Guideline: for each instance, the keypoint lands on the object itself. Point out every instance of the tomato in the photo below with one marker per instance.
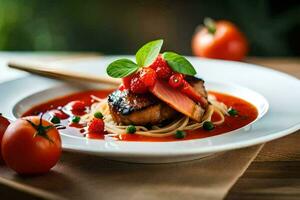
(96, 126)
(31, 145)
(142, 80)
(4, 123)
(161, 68)
(176, 80)
(126, 81)
(220, 40)
(76, 106)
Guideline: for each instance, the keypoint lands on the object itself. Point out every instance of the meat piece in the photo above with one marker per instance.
(177, 100)
(138, 109)
(198, 85)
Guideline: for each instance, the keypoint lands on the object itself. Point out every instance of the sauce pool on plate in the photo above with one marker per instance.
(246, 114)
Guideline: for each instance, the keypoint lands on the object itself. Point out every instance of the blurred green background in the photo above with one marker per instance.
(119, 27)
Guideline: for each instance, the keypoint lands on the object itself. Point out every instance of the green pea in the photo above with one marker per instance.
(208, 126)
(131, 129)
(180, 134)
(55, 120)
(98, 115)
(75, 119)
(232, 112)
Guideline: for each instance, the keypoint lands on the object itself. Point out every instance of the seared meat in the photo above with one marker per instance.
(198, 85)
(138, 109)
(146, 109)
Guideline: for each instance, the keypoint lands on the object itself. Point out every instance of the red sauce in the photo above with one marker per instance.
(62, 101)
(247, 114)
(76, 125)
(95, 136)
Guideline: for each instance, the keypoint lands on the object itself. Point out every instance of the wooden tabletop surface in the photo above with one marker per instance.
(275, 173)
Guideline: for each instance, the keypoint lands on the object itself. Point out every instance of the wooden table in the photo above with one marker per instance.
(274, 173)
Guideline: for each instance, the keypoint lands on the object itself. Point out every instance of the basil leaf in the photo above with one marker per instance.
(147, 54)
(179, 63)
(121, 68)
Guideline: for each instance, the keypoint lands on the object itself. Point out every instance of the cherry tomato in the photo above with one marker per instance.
(77, 106)
(220, 40)
(4, 123)
(161, 68)
(142, 80)
(148, 76)
(126, 81)
(31, 145)
(176, 80)
(96, 126)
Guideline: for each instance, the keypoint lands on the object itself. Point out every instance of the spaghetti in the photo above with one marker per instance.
(184, 123)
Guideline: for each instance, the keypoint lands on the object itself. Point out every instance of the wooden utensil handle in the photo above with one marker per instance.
(51, 72)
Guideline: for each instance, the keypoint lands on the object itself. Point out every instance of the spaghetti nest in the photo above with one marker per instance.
(184, 123)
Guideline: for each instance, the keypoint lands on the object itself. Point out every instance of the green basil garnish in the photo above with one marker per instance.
(147, 54)
(121, 68)
(179, 63)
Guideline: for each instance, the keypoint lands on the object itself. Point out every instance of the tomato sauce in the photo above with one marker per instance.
(246, 114)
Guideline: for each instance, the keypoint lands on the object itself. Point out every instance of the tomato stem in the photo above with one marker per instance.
(210, 24)
(40, 129)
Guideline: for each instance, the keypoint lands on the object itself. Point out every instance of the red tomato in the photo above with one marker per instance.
(96, 126)
(161, 68)
(148, 76)
(4, 123)
(142, 80)
(76, 106)
(126, 81)
(220, 40)
(176, 80)
(31, 145)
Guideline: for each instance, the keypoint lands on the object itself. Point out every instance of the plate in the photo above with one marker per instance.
(255, 84)
(66, 89)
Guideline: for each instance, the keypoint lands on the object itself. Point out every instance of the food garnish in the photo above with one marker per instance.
(176, 80)
(75, 119)
(161, 68)
(55, 120)
(96, 126)
(77, 106)
(142, 80)
(131, 129)
(146, 56)
(208, 125)
(151, 66)
(179, 63)
(232, 112)
(180, 134)
(98, 115)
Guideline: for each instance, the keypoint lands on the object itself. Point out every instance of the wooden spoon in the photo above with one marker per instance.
(51, 72)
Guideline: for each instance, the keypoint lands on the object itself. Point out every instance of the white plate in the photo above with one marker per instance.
(282, 92)
(65, 89)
